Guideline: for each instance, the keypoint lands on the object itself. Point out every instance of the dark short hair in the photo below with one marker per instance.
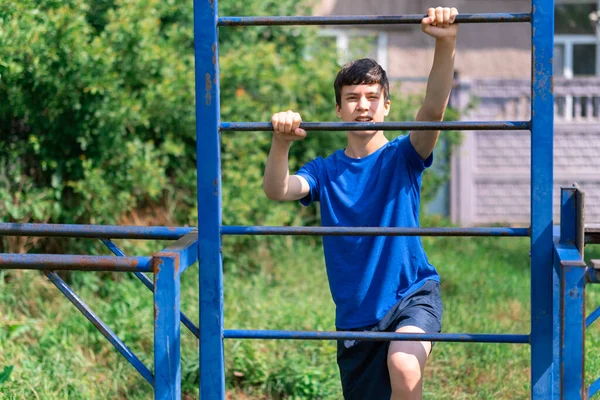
(362, 71)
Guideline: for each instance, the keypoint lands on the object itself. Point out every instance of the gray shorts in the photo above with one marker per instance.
(363, 364)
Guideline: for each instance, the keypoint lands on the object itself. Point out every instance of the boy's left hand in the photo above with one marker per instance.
(439, 22)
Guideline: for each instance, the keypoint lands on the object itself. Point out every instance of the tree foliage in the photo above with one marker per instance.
(97, 110)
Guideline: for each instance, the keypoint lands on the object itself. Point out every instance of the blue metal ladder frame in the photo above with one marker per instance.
(558, 273)
(543, 338)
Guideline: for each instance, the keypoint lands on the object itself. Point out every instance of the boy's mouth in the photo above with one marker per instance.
(364, 119)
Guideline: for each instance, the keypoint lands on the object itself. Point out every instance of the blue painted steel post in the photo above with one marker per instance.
(544, 344)
(212, 368)
(572, 368)
(572, 299)
(167, 333)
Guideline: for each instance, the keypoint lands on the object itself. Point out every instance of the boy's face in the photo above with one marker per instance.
(363, 103)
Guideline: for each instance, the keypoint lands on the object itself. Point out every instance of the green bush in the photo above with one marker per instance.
(98, 119)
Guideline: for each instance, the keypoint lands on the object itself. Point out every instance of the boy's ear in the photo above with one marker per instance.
(338, 110)
(387, 107)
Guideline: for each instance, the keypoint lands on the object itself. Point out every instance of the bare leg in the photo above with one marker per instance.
(406, 362)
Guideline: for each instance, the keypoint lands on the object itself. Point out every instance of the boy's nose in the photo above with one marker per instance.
(363, 103)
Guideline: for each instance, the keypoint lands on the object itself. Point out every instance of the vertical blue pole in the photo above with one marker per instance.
(572, 299)
(544, 278)
(572, 367)
(212, 373)
(167, 358)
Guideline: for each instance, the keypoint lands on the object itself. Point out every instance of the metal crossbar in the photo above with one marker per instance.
(372, 231)
(385, 126)
(94, 231)
(367, 20)
(376, 336)
(64, 262)
(592, 231)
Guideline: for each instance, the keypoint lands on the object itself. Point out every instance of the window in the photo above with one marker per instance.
(576, 42)
(352, 44)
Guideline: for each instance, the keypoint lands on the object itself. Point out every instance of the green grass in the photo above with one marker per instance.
(56, 354)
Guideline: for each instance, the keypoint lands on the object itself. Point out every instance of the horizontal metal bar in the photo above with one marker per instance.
(69, 262)
(94, 231)
(101, 326)
(386, 126)
(592, 317)
(376, 336)
(185, 251)
(150, 285)
(172, 233)
(367, 19)
(594, 388)
(371, 231)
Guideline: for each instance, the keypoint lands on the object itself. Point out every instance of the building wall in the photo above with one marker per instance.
(483, 50)
(491, 170)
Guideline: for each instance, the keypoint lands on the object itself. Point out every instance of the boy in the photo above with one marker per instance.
(377, 283)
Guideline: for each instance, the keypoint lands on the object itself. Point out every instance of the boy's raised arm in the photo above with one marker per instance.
(277, 182)
(439, 24)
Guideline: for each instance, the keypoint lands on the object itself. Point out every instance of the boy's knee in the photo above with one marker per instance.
(405, 369)
(406, 362)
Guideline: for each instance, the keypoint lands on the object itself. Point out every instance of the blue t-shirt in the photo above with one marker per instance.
(369, 274)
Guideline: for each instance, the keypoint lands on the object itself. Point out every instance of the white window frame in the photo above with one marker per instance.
(568, 41)
(343, 42)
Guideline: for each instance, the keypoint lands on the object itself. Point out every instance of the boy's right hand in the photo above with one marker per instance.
(286, 126)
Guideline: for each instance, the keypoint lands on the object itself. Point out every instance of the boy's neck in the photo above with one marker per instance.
(361, 145)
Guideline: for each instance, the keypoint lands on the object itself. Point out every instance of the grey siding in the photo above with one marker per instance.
(490, 174)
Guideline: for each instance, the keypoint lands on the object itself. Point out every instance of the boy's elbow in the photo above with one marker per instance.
(272, 195)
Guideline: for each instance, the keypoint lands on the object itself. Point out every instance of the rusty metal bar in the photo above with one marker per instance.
(367, 19)
(68, 262)
(184, 251)
(385, 126)
(94, 231)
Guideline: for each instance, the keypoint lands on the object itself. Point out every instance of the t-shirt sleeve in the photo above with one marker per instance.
(413, 159)
(311, 173)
